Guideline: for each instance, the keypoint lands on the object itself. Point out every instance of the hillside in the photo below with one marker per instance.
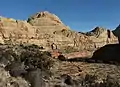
(45, 28)
(26, 58)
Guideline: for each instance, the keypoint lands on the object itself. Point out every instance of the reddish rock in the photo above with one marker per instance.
(55, 53)
(78, 54)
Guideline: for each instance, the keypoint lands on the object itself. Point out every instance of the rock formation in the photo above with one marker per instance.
(38, 66)
(117, 32)
(107, 53)
(45, 28)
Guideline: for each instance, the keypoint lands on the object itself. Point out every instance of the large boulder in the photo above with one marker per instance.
(107, 53)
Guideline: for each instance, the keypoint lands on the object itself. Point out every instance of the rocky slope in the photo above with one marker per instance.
(45, 28)
(25, 66)
(28, 66)
(6, 80)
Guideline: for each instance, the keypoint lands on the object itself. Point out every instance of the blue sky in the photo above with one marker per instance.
(80, 15)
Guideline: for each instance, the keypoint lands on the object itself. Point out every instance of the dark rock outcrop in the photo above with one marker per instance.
(108, 53)
(116, 32)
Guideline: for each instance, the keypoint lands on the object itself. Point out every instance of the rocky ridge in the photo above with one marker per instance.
(27, 65)
(45, 28)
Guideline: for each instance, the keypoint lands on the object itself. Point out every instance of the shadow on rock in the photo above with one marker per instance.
(108, 54)
(78, 59)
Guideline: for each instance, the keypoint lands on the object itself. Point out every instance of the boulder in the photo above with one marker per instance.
(107, 53)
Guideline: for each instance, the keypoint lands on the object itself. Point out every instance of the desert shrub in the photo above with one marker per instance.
(37, 59)
(61, 57)
(110, 82)
(31, 47)
(29, 62)
(70, 49)
(31, 55)
(90, 78)
(92, 81)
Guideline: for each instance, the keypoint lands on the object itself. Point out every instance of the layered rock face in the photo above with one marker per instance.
(96, 38)
(102, 36)
(45, 28)
(15, 31)
(38, 30)
(44, 19)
